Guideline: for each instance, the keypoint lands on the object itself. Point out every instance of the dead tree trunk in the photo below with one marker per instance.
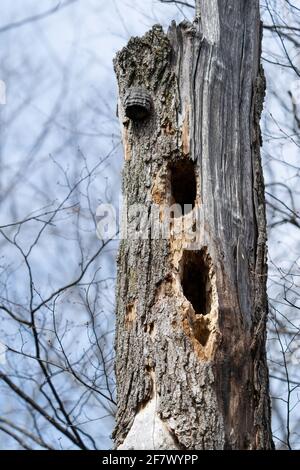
(191, 307)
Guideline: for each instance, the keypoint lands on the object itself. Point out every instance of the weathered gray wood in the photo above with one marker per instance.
(193, 379)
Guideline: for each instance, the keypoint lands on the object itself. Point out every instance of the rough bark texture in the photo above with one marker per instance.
(191, 313)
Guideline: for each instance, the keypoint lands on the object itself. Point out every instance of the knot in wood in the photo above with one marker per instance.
(137, 103)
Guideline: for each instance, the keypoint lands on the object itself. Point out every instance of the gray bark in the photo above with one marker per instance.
(191, 313)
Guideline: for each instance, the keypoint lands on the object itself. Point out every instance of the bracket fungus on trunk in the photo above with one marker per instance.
(137, 103)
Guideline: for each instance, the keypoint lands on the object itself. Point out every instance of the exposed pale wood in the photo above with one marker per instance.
(206, 375)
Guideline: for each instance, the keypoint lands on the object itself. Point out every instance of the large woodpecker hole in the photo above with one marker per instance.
(183, 185)
(196, 282)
